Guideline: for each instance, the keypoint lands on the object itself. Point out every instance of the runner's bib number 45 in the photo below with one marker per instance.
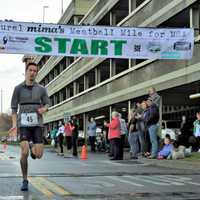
(29, 119)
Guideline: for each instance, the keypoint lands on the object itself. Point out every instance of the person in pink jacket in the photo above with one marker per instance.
(114, 135)
(68, 134)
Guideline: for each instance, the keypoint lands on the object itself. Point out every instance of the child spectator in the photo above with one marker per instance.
(167, 148)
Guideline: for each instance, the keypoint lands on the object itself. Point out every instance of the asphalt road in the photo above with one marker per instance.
(58, 178)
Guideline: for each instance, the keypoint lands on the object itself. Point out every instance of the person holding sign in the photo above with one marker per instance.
(32, 100)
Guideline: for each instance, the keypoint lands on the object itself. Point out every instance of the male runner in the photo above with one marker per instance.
(32, 100)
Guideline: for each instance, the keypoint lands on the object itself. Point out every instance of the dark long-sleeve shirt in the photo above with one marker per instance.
(25, 102)
(152, 115)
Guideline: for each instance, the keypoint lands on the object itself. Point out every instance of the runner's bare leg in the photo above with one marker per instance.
(37, 150)
(24, 158)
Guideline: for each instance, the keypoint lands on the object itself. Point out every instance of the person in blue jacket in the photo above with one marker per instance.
(167, 148)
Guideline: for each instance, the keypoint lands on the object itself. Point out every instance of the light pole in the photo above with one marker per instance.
(44, 7)
(61, 7)
(1, 101)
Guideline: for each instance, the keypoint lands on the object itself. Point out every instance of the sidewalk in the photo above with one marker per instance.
(183, 164)
(176, 164)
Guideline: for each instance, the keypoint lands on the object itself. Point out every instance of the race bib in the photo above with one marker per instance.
(29, 119)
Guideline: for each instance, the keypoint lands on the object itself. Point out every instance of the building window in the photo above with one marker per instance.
(121, 65)
(182, 19)
(43, 61)
(121, 10)
(139, 2)
(104, 70)
(70, 90)
(63, 93)
(91, 78)
(80, 85)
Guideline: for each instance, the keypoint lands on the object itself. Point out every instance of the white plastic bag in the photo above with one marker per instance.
(52, 142)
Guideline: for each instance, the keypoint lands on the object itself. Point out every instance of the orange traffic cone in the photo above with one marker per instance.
(84, 153)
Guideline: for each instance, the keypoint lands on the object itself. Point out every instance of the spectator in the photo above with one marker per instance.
(91, 128)
(75, 136)
(147, 144)
(178, 151)
(114, 135)
(195, 139)
(105, 133)
(124, 132)
(167, 148)
(133, 136)
(152, 118)
(53, 136)
(154, 96)
(186, 133)
(140, 126)
(68, 134)
(60, 136)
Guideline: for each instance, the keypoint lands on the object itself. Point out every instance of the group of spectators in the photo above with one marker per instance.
(141, 130)
(190, 133)
(68, 131)
(144, 118)
(186, 142)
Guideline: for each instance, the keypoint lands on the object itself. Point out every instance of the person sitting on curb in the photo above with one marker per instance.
(167, 148)
(178, 151)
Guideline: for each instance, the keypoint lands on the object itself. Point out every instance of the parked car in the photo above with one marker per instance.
(171, 128)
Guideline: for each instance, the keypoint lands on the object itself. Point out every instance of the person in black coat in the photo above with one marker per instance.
(75, 136)
(151, 120)
(186, 132)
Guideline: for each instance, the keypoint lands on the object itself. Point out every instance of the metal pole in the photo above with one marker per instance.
(61, 7)
(44, 12)
(85, 119)
(1, 101)
(129, 109)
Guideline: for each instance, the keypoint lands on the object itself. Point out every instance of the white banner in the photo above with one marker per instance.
(96, 41)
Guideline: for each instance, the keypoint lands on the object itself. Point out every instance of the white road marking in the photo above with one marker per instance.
(147, 179)
(4, 157)
(164, 179)
(11, 197)
(112, 162)
(124, 181)
(186, 180)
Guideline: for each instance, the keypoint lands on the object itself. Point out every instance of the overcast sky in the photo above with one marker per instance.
(11, 66)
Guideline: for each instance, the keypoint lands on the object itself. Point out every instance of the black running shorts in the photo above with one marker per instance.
(34, 134)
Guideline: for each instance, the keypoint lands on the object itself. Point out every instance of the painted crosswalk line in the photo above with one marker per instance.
(11, 197)
(147, 179)
(160, 180)
(48, 188)
(172, 182)
(185, 180)
(51, 189)
(4, 157)
(119, 179)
